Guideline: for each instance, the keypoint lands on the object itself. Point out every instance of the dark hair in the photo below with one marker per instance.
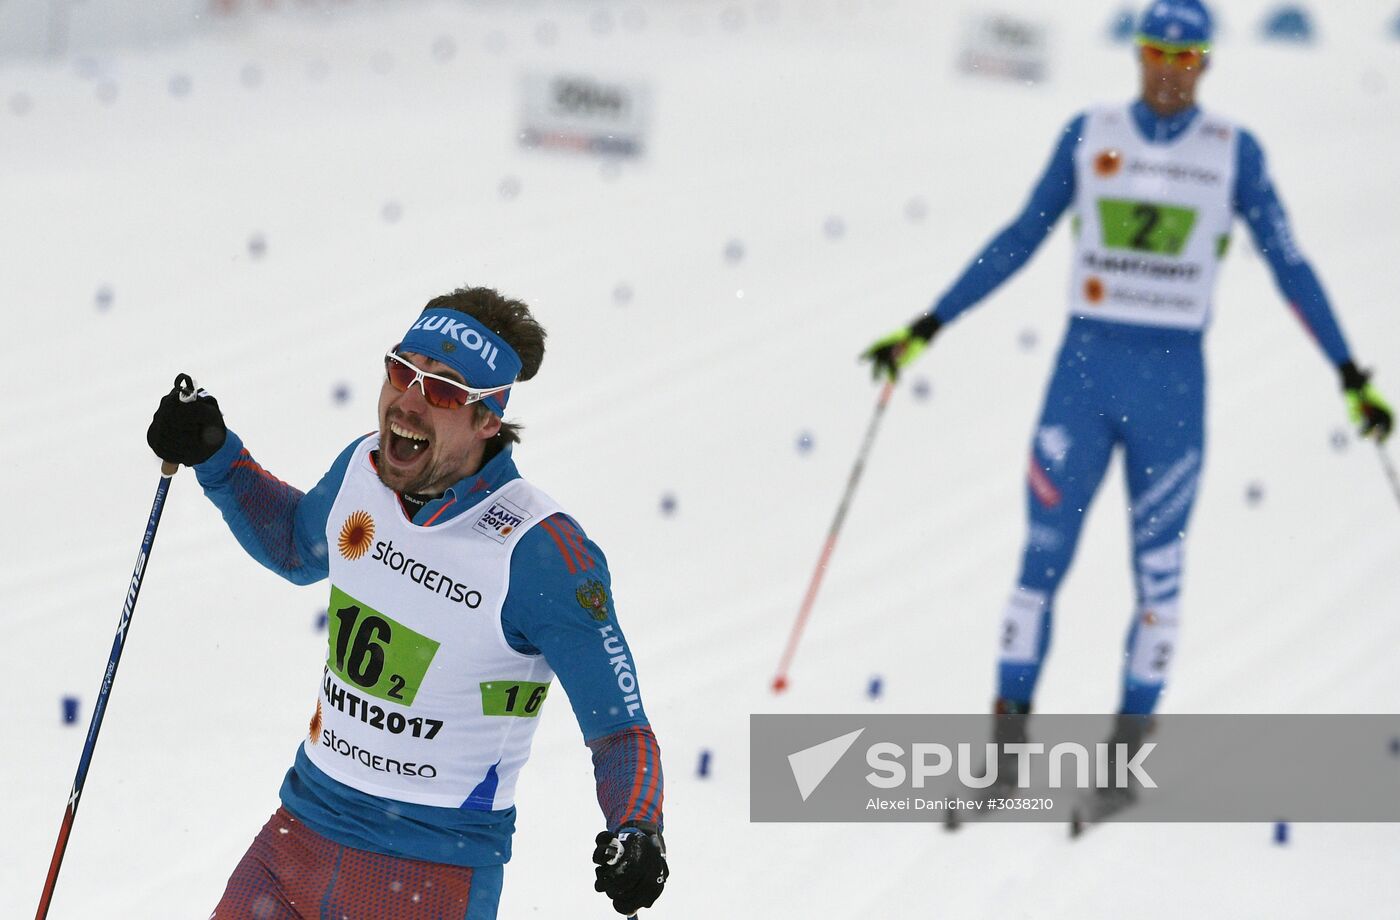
(511, 320)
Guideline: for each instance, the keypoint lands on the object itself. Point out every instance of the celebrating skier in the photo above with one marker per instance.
(1153, 187)
(457, 591)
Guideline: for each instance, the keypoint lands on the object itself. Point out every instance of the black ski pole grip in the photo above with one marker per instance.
(185, 384)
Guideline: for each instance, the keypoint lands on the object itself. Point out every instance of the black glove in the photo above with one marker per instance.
(188, 428)
(631, 866)
(891, 354)
(1368, 408)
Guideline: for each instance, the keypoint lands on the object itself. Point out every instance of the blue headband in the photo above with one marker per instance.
(1176, 22)
(462, 343)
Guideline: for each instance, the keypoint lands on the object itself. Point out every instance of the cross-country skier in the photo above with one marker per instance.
(1154, 186)
(457, 591)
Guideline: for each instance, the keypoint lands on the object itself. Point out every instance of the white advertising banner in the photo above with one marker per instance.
(1006, 47)
(584, 113)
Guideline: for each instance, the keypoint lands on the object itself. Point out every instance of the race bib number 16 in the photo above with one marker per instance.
(373, 652)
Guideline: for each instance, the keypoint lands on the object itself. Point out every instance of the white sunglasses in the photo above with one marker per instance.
(442, 392)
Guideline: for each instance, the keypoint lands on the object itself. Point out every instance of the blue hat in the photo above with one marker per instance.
(463, 343)
(1176, 22)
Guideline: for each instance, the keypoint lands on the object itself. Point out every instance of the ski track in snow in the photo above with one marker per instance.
(767, 122)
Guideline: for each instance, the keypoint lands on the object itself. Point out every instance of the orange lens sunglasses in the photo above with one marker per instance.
(1187, 58)
(439, 391)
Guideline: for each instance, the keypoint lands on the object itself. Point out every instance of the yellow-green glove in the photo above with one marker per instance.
(896, 351)
(1367, 407)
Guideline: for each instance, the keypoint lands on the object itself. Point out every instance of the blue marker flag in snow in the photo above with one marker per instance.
(1290, 24)
(70, 710)
(703, 770)
(876, 687)
(1280, 832)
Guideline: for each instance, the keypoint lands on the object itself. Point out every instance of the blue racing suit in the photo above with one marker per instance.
(1118, 383)
(285, 530)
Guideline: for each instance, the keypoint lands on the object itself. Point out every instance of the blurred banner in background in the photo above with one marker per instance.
(584, 114)
(55, 28)
(36, 28)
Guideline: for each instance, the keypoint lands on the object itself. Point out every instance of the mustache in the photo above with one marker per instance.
(413, 420)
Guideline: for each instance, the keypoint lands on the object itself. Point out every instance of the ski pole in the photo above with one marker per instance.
(780, 681)
(167, 470)
(1389, 467)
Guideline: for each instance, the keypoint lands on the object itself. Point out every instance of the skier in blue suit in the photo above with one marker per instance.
(458, 591)
(1154, 186)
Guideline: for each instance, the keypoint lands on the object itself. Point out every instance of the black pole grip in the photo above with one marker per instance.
(185, 384)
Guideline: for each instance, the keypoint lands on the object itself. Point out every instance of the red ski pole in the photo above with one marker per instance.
(133, 590)
(780, 681)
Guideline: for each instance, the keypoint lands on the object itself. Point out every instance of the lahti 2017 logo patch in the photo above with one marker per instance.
(501, 520)
(593, 597)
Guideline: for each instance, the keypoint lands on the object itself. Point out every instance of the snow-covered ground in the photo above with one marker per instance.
(771, 119)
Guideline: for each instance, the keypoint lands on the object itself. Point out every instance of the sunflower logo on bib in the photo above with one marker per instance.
(356, 535)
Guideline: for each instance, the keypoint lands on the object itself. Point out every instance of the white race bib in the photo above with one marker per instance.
(1152, 220)
(422, 699)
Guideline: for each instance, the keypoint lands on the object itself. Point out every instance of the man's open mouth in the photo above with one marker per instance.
(405, 447)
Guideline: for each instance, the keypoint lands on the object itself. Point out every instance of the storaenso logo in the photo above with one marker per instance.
(1174, 171)
(376, 762)
(432, 579)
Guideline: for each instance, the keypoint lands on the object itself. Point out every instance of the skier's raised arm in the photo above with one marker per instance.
(279, 526)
